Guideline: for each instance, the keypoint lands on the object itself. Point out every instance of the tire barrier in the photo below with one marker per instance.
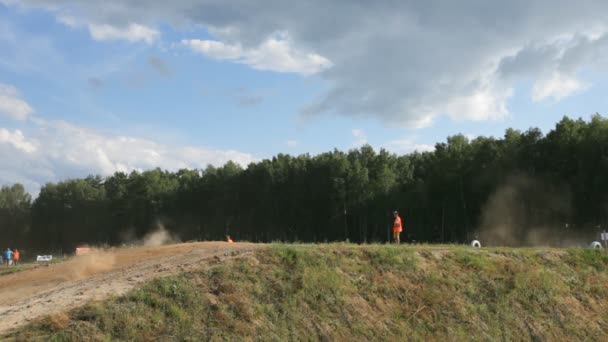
(595, 245)
(44, 258)
(476, 244)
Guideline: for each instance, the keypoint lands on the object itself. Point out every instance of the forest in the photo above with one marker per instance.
(523, 188)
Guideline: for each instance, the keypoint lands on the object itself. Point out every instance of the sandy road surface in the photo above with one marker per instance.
(30, 294)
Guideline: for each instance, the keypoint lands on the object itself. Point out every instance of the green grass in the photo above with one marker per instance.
(14, 269)
(347, 292)
(23, 266)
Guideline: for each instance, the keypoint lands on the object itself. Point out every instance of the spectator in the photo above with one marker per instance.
(16, 256)
(8, 257)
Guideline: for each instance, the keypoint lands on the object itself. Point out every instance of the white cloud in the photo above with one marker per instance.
(274, 54)
(68, 21)
(291, 143)
(17, 140)
(11, 104)
(405, 62)
(481, 104)
(556, 87)
(56, 150)
(85, 148)
(214, 49)
(406, 146)
(361, 138)
(132, 33)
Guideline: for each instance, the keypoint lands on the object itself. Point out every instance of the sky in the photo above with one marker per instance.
(98, 87)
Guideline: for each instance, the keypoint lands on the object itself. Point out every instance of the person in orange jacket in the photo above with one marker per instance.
(397, 227)
(16, 256)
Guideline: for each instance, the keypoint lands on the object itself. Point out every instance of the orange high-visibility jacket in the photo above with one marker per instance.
(16, 255)
(397, 225)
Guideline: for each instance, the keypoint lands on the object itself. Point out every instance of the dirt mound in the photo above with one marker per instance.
(30, 294)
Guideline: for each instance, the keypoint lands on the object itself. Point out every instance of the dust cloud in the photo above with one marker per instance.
(98, 260)
(157, 237)
(525, 211)
(127, 236)
(95, 261)
(160, 236)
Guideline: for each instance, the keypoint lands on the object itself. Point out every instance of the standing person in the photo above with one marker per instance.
(16, 256)
(8, 257)
(397, 227)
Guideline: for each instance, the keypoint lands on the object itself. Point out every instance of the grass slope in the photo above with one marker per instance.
(345, 292)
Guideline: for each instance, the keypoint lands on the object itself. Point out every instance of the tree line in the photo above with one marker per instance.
(557, 181)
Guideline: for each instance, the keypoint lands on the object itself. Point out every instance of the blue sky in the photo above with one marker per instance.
(98, 88)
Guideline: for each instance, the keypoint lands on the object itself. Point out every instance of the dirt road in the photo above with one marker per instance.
(27, 295)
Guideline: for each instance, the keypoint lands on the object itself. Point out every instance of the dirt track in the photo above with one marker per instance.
(27, 295)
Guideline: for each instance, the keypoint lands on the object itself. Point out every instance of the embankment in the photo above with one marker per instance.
(345, 292)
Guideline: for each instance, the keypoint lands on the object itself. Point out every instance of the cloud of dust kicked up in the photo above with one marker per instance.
(159, 236)
(527, 212)
(96, 261)
(99, 260)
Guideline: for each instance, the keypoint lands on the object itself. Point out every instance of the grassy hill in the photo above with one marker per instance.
(346, 292)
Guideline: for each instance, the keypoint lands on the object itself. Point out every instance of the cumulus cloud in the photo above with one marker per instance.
(405, 62)
(556, 87)
(17, 140)
(554, 65)
(275, 54)
(481, 104)
(89, 150)
(54, 150)
(58, 150)
(12, 105)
